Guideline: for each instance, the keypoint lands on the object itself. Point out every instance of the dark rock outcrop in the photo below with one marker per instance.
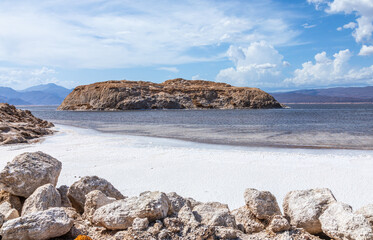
(20, 126)
(171, 94)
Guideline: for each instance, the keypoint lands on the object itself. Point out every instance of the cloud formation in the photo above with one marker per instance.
(23, 78)
(363, 9)
(169, 69)
(259, 65)
(330, 71)
(115, 34)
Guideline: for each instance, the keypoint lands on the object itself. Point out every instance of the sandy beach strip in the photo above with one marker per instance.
(206, 172)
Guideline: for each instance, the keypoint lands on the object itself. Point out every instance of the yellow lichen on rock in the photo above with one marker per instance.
(83, 237)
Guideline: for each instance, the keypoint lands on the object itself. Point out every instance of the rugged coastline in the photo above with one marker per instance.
(171, 94)
(20, 126)
(94, 207)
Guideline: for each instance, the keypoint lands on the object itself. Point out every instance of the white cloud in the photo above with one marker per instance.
(23, 78)
(326, 71)
(169, 69)
(306, 25)
(350, 25)
(258, 65)
(363, 9)
(115, 34)
(197, 77)
(366, 50)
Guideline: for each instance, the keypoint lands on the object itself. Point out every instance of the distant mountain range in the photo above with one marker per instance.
(329, 95)
(52, 94)
(46, 94)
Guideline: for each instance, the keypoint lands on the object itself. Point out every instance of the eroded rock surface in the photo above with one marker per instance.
(43, 198)
(246, 220)
(43, 225)
(172, 94)
(262, 204)
(20, 126)
(304, 208)
(367, 212)
(85, 185)
(28, 171)
(340, 223)
(214, 214)
(120, 214)
(94, 200)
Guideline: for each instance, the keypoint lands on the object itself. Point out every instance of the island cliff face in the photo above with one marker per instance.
(171, 94)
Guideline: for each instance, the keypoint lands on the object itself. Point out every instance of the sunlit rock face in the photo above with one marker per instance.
(172, 94)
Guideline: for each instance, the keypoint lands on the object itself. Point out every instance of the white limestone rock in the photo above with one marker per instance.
(367, 212)
(246, 221)
(279, 224)
(140, 224)
(340, 223)
(94, 200)
(43, 198)
(7, 211)
(120, 214)
(43, 225)
(28, 171)
(262, 204)
(214, 214)
(85, 185)
(304, 208)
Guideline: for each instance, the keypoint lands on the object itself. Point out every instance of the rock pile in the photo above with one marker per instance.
(171, 94)
(18, 126)
(93, 207)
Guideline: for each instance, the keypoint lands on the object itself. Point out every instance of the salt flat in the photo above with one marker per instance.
(205, 172)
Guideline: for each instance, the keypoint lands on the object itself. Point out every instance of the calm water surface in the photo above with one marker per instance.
(307, 126)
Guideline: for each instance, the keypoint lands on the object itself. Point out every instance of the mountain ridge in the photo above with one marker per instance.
(44, 94)
(327, 95)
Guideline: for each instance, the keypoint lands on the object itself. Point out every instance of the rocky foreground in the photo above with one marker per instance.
(31, 207)
(172, 94)
(19, 126)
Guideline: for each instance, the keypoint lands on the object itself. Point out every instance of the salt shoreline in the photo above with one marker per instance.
(205, 172)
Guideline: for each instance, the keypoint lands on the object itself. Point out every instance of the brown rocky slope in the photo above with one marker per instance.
(171, 94)
(19, 126)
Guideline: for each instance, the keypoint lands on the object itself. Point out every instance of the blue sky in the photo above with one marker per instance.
(272, 45)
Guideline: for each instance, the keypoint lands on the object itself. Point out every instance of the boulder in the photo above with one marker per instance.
(304, 207)
(120, 214)
(140, 224)
(214, 214)
(43, 225)
(81, 188)
(7, 211)
(14, 201)
(186, 215)
(43, 198)
(262, 204)
(94, 200)
(279, 224)
(367, 212)
(28, 171)
(340, 223)
(246, 221)
(65, 201)
(176, 202)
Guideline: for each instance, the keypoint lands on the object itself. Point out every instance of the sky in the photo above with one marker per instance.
(275, 45)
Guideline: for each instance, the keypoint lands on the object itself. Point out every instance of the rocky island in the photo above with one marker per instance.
(20, 126)
(33, 207)
(171, 94)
